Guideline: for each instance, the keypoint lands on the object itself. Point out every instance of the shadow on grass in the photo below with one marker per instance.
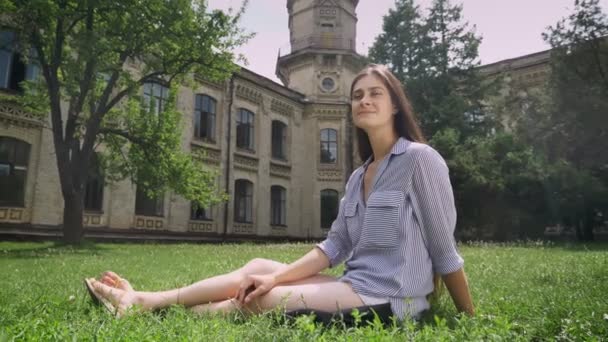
(55, 249)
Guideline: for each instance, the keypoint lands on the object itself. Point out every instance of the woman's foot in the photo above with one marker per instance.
(123, 299)
(114, 280)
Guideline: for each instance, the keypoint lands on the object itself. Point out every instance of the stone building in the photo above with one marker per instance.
(283, 152)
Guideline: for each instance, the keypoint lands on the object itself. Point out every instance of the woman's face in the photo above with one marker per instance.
(372, 107)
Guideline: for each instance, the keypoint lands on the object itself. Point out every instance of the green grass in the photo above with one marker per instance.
(526, 291)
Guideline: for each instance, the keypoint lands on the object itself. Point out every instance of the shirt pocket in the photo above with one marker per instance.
(382, 218)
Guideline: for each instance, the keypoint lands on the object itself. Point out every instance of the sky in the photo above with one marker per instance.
(509, 28)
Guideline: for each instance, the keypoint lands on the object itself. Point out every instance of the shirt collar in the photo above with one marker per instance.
(398, 148)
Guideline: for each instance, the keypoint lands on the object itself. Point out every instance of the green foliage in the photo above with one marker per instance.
(523, 292)
(579, 86)
(94, 57)
(498, 185)
(435, 57)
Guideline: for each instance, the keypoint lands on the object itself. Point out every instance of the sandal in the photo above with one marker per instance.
(98, 299)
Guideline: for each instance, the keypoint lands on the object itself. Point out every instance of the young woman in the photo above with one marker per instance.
(394, 228)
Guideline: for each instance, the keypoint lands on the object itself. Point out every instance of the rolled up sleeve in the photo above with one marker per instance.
(433, 202)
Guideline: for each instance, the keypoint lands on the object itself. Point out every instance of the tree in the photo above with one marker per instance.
(94, 56)
(435, 58)
(579, 126)
(579, 86)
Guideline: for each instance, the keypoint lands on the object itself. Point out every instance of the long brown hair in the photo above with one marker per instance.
(405, 124)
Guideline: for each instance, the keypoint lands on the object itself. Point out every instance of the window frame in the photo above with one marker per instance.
(160, 100)
(278, 206)
(243, 201)
(142, 208)
(326, 222)
(278, 151)
(329, 142)
(210, 117)
(95, 183)
(18, 162)
(249, 126)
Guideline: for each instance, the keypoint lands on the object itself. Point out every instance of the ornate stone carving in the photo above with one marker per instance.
(12, 114)
(282, 108)
(329, 114)
(206, 154)
(13, 215)
(205, 226)
(214, 84)
(279, 170)
(243, 228)
(147, 222)
(93, 220)
(249, 94)
(245, 162)
(330, 175)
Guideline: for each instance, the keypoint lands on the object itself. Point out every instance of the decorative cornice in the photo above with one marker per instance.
(213, 84)
(282, 108)
(246, 162)
(279, 170)
(206, 153)
(330, 175)
(249, 94)
(13, 115)
(243, 228)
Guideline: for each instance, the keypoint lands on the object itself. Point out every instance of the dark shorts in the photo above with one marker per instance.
(367, 315)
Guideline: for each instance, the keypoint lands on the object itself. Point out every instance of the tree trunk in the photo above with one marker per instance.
(72, 219)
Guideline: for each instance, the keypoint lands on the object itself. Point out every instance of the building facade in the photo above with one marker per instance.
(283, 152)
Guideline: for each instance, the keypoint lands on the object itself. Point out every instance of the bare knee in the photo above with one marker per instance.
(260, 266)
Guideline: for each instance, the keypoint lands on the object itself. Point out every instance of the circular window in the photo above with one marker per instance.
(328, 84)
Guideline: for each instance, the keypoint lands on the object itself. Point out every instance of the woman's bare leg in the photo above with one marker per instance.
(214, 289)
(319, 292)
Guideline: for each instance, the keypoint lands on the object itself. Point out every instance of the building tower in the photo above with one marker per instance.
(321, 64)
(322, 60)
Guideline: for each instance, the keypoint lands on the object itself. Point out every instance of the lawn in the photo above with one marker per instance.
(526, 291)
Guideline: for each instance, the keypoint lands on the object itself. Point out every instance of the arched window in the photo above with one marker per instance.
(277, 205)
(243, 201)
(279, 140)
(155, 94)
(14, 160)
(93, 193)
(329, 207)
(329, 146)
(244, 129)
(204, 117)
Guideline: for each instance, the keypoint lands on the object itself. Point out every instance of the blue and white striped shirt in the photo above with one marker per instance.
(403, 234)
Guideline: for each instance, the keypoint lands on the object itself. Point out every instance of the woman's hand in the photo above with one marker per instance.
(254, 286)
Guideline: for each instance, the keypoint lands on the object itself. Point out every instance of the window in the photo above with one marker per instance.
(204, 117)
(244, 129)
(199, 213)
(147, 206)
(13, 69)
(156, 95)
(277, 205)
(279, 140)
(243, 201)
(329, 146)
(329, 207)
(14, 160)
(93, 193)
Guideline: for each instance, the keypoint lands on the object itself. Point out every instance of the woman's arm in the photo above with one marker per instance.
(458, 286)
(310, 264)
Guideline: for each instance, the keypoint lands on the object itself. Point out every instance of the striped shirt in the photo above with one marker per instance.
(403, 234)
